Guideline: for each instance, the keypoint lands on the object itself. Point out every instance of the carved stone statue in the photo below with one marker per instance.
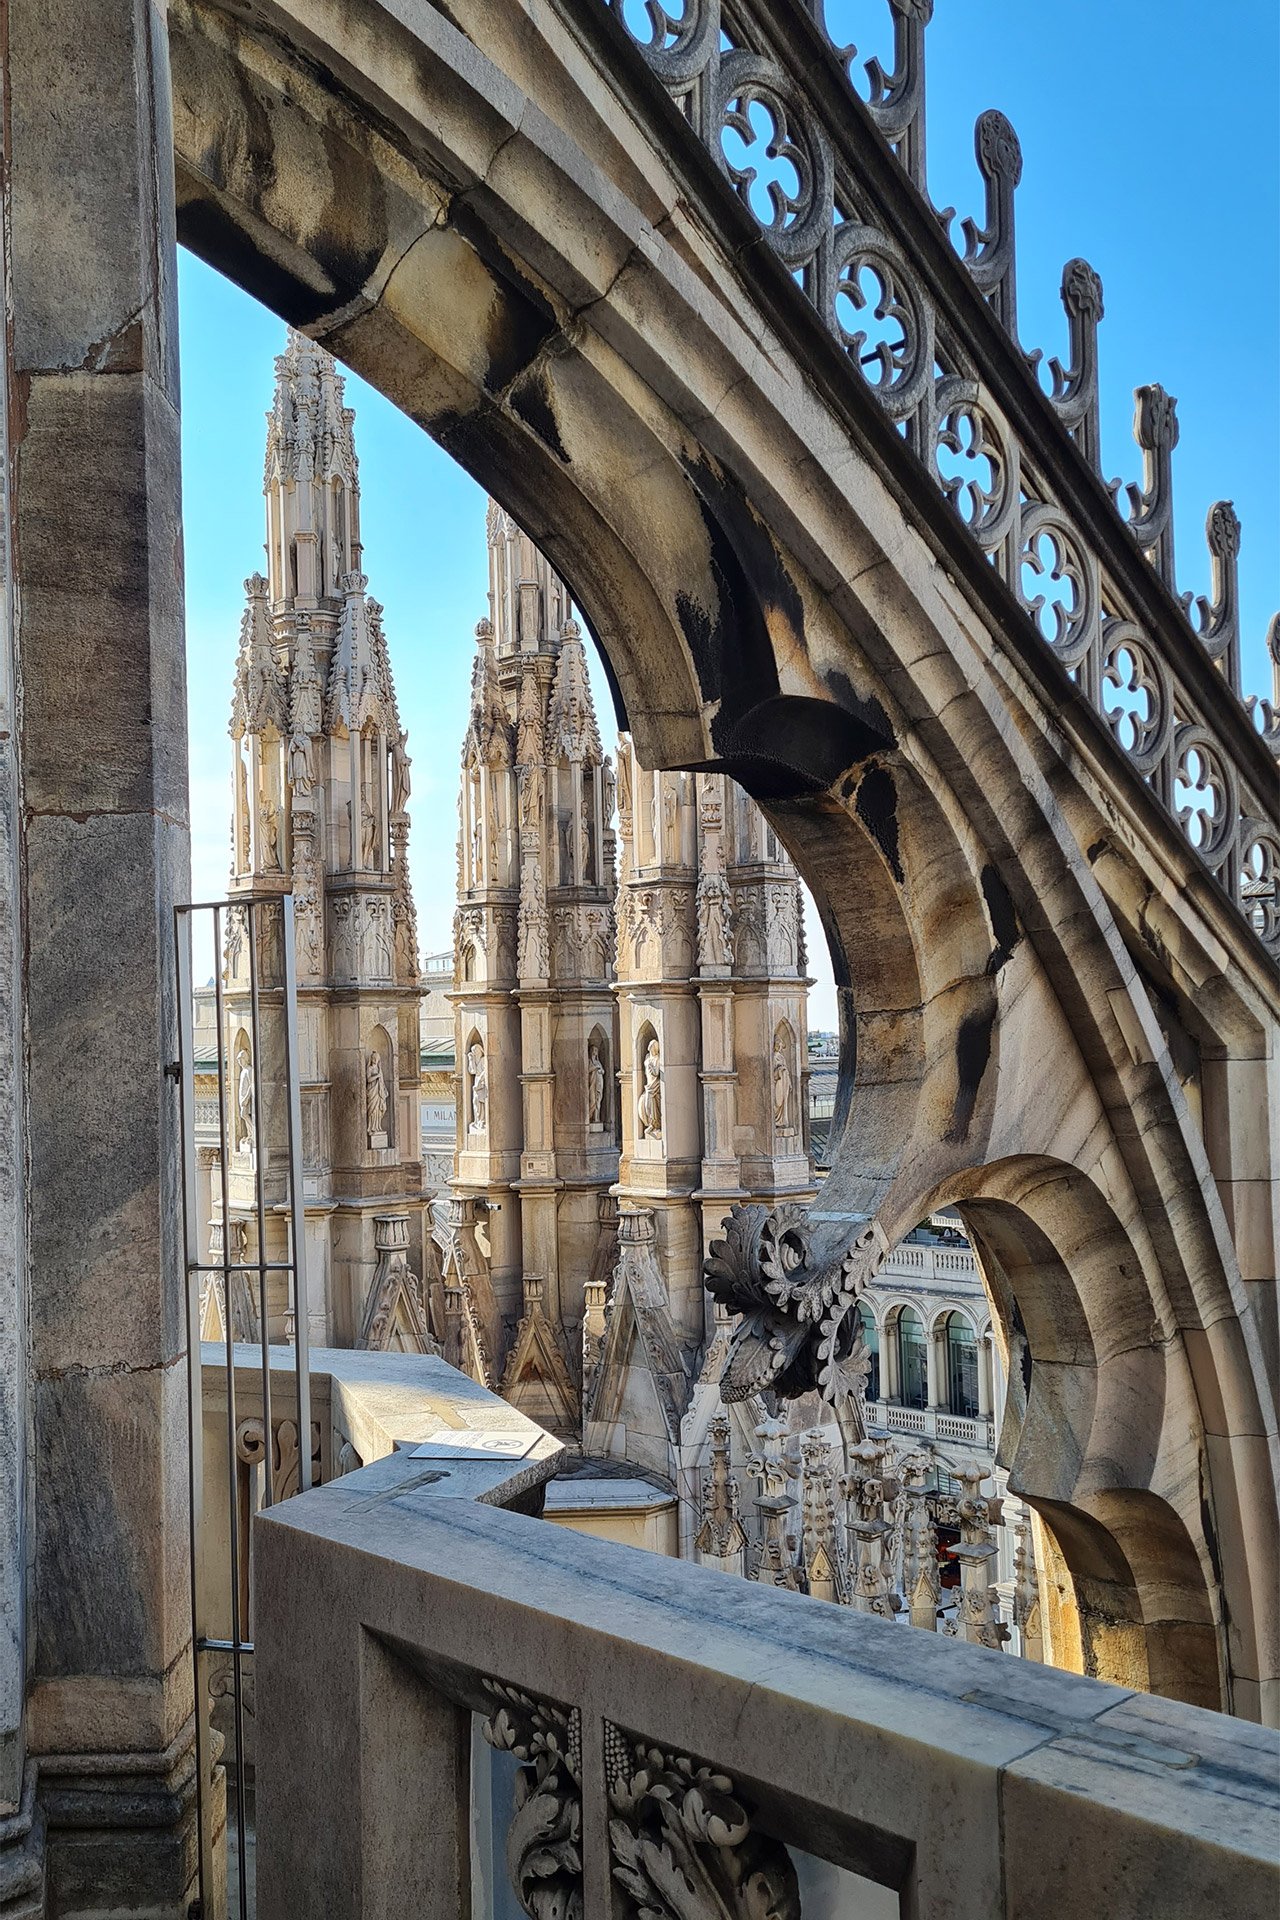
(595, 1084)
(375, 1098)
(270, 839)
(649, 1105)
(782, 1087)
(399, 775)
(302, 773)
(479, 1071)
(714, 920)
(670, 839)
(244, 1102)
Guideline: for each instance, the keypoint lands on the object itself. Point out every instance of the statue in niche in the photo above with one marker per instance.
(624, 785)
(782, 1085)
(368, 832)
(713, 920)
(302, 773)
(375, 1100)
(610, 791)
(241, 837)
(478, 1069)
(492, 816)
(530, 798)
(244, 1101)
(595, 1084)
(307, 915)
(270, 831)
(649, 1105)
(670, 832)
(400, 764)
(588, 836)
(566, 851)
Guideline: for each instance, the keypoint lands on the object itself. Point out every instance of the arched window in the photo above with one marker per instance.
(962, 1366)
(913, 1365)
(871, 1340)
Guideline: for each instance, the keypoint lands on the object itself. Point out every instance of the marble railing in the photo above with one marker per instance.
(934, 1423)
(468, 1711)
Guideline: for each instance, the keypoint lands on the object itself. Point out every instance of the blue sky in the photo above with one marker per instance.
(1149, 146)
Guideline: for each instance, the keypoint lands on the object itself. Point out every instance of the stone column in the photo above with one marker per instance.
(103, 748)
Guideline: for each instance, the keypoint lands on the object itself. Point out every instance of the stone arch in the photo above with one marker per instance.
(826, 642)
(1094, 1436)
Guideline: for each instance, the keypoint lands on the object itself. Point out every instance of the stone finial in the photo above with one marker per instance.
(990, 252)
(896, 100)
(1074, 392)
(1155, 428)
(1217, 618)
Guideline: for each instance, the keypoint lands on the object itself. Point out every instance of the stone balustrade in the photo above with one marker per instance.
(449, 1693)
(933, 1423)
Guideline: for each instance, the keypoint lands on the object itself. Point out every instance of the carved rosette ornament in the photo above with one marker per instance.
(544, 1840)
(683, 1844)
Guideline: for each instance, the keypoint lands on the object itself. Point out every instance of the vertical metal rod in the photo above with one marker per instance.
(259, 1189)
(297, 1209)
(195, 1435)
(237, 1625)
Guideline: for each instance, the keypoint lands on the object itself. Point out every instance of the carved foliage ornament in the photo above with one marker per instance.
(683, 1844)
(799, 1327)
(544, 1841)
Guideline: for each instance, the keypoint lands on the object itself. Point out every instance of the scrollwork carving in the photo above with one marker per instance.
(544, 1840)
(683, 1843)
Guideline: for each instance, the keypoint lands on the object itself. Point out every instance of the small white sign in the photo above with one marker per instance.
(472, 1443)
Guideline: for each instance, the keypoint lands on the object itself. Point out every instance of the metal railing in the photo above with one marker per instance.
(243, 1276)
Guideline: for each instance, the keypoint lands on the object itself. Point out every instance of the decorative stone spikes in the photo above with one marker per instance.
(530, 721)
(1265, 714)
(571, 720)
(1026, 1595)
(359, 684)
(721, 1536)
(309, 430)
(896, 100)
(990, 253)
(1074, 395)
(1155, 428)
(867, 1489)
(978, 1621)
(306, 698)
(395, 1312)
(918, 1543)
(1217, 619)
(258, 701)
(821, 1553)
(487, 741)
(773, 1567)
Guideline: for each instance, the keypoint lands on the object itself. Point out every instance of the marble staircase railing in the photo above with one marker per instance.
(450, 1694)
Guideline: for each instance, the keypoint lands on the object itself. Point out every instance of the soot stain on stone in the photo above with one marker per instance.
(869, 711)
(877, 808)
(1003, 918)
(211, 233)
(973, 1053)
(352, 234)
(749, 577)
(529, 399)
(521, 321)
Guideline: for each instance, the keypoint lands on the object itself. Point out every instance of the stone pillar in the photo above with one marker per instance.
(103, 750)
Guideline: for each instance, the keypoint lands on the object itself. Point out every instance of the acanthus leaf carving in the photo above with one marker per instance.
(683, 1842)
(544, 1840)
